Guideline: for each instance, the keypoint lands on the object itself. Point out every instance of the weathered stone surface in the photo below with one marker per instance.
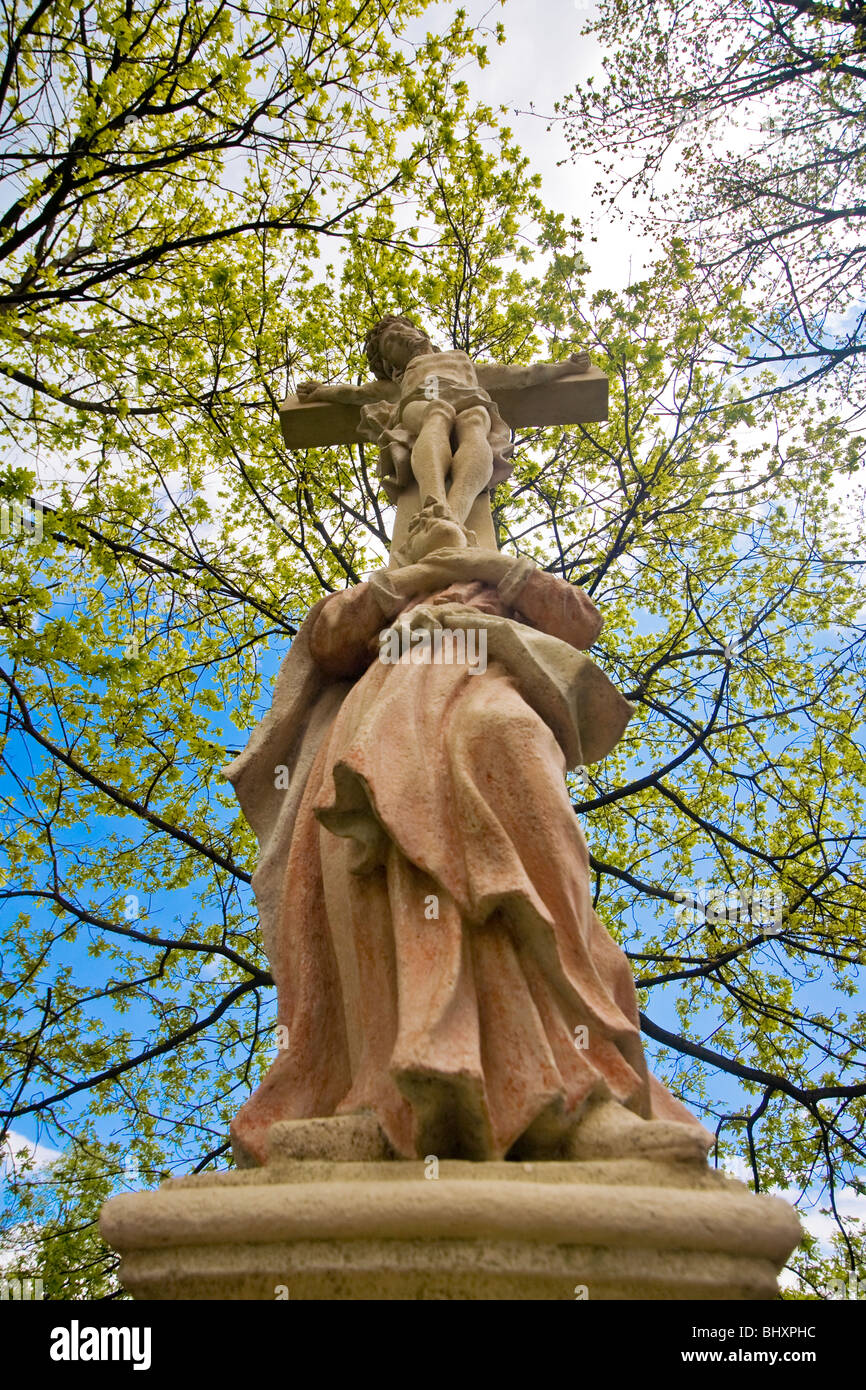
(569, 400)
(623, 1229)
(423, 883)
(340, 1139)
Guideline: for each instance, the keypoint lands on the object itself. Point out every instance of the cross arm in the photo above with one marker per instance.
(525, 396)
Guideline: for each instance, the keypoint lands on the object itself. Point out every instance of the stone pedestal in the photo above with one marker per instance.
(331, 1228)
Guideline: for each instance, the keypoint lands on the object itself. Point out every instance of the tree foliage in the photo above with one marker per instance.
(50, 1225)
(742, 123)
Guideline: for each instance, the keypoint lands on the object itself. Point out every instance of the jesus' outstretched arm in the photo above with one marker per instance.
(344, 393)
(494, 377)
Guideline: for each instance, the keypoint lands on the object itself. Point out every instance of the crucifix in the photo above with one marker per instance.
(443, 427)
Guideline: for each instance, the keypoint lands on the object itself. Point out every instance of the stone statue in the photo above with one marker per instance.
(445, 990)
(423, 883)
(440, 433)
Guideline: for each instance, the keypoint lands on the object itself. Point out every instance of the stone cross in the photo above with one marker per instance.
(440, 418)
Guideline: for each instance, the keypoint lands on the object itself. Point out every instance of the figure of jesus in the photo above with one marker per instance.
(434, 422)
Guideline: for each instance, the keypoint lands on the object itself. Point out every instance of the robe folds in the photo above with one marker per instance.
(424, 890)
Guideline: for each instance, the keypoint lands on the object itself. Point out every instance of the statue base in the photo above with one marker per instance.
(332, 1228)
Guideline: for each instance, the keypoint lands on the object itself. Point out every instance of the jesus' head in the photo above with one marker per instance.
(392, 344)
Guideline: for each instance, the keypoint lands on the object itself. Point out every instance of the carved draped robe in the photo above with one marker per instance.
(423, 883)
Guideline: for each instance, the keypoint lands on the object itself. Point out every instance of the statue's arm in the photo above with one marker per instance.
(343, 393)
(491, 376)
(342, 633)
(544, 600)
(556, 607)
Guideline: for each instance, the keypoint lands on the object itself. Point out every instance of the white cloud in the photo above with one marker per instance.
(14, 1145)
(848, 1204)
(538, 65)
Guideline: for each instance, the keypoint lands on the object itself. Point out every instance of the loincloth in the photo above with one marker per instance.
(382, 424)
